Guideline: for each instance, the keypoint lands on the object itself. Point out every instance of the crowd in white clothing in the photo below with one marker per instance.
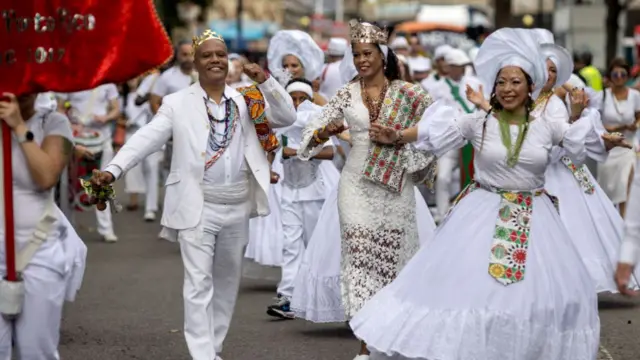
(507, 264)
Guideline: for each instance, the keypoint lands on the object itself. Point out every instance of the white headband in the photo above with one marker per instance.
(300, 86)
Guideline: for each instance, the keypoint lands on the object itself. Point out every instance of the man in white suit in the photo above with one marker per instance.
(219, 178)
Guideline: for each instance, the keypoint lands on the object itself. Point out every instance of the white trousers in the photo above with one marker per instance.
(212, 256)
(299, 219)
(36, 332)
(446, 164)
(105, 224)
(144, 179)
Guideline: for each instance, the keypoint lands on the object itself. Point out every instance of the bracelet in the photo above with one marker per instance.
(317, 139)
(399, 137)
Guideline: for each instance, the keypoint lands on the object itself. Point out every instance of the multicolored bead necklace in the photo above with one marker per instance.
(219, 146)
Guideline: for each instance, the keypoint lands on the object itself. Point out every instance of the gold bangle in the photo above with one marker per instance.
(317, 139)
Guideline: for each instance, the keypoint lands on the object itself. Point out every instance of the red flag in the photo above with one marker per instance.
(73, 45)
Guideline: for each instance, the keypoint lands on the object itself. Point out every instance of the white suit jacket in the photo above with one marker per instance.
(183, 116)
(630, 249)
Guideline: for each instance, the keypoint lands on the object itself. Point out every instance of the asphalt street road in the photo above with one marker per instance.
(130, 307)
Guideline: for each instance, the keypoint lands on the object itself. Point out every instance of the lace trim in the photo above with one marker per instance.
(333, 111)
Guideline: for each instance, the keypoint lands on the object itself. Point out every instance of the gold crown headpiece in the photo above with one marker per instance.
(206, 35)
(366, 33)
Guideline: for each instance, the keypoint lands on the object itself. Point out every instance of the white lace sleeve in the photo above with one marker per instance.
(333, 111)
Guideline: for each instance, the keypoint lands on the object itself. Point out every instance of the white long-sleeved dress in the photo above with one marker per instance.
(445, 305)
(588, 214)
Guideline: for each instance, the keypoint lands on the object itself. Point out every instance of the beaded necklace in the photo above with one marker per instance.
(504, 121)
(373, 106)
(219, 146)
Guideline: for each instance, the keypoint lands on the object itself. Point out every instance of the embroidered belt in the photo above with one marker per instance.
(299, 174)
(508, 258)
(580, 174)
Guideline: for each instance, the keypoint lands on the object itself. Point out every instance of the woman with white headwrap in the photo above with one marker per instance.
(294, 54)
(501, 279)
(376, 199)
(580, 197)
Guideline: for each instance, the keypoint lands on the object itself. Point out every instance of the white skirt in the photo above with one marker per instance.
(444, 305)
(613, 174)
(266, 239)
(595, 226)
(317, 294)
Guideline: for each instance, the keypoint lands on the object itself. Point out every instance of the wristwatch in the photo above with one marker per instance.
(26, 137)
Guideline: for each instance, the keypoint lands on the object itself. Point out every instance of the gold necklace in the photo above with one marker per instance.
(542, 98)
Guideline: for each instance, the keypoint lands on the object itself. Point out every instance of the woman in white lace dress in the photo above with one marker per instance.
(502, 278)
(376, 199)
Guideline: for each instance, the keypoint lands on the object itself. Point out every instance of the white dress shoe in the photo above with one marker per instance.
(361, 357)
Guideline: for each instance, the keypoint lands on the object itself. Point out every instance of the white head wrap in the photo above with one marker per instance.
(400, 42)
(420, 64)
(560, 57)
(456, 57)
(300, 45)
(510, 47)
(45, 102)
(337, 46)
(441, 51)
(300, 86)
(473, 53)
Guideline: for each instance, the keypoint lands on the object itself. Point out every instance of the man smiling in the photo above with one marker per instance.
(219, 178)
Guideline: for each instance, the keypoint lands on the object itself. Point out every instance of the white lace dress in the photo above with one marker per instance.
(448, 303)
(378, 226)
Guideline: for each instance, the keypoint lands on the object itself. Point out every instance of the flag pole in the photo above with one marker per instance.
(7, 182)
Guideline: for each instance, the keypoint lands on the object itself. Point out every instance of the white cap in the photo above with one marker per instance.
(420, 64)
(337, 46)
(441, 51)
(399, 43)
(457, 57)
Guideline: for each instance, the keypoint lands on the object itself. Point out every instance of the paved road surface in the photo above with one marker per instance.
(130, 307)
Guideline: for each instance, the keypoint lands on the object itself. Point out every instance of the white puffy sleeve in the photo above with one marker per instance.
(333, 111)
(578, 139)
(442, 128)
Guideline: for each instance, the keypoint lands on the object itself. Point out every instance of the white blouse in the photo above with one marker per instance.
(621, 112)
(442, 130)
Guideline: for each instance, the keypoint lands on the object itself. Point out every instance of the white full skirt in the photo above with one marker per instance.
(613, 174)
(266, 239)
(317, 294)
(594, 224)
(445, 306)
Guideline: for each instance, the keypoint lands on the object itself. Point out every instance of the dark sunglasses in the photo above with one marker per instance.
(619, 74)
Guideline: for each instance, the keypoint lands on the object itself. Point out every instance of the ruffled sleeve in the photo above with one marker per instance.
(578, 139)
(442, 128)
(333, 111)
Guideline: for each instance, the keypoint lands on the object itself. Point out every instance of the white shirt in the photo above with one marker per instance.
(331, 80)
(620, 112)
(171, 81)
(431, 82)
(630, 248)
(89, 103)
(442, 91)
(231, 166)
(315, 191)
(137, 116)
